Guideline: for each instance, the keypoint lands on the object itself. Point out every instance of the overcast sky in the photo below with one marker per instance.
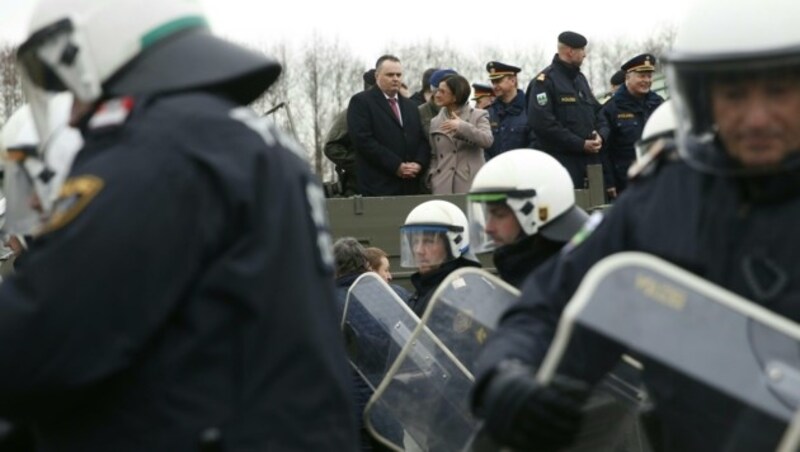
(510, 22)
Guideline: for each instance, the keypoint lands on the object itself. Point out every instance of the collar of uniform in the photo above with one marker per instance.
(570, 70)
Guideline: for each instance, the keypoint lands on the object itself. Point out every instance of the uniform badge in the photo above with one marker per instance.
(544, 213)
(541, 99)
(462, 322)
(75, 195)
(112, 113)
(540, 77)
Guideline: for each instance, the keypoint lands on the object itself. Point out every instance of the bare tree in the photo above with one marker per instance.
(10, 81)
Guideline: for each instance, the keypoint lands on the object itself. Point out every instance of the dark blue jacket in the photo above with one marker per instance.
(563, 113)
(730, 232)
(626, 115)
(509, 124)
(182, 285)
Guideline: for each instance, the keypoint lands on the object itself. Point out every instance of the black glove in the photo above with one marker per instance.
(525, 415)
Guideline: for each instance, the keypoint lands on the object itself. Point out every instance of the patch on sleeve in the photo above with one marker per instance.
(541, 99)
(76, 194)
(585, 231)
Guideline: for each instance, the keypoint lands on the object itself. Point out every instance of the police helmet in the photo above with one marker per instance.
(98, 49)
(431, 222)
(535, 186)
(708, 46)
(660, 125)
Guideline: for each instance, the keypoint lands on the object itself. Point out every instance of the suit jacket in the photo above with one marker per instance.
(382, 143)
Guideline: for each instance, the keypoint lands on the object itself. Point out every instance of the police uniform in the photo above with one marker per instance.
(563, 113)
(515, 261)
(481, 90)
(181, 293)
(729, 231)
(626, 115)
(509, 121)
(426, 284)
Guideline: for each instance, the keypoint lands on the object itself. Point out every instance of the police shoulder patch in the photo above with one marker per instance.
(112, 112)
(76, 193)
(541, 99)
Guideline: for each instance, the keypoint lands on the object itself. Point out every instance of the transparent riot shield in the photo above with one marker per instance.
(675, 319)
(376, 324)
(427, 388)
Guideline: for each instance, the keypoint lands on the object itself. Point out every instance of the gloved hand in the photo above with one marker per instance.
(522, 414)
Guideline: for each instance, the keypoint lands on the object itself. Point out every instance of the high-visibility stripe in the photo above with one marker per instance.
(171, 27)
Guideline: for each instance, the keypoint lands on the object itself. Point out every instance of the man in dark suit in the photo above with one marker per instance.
(392, 151)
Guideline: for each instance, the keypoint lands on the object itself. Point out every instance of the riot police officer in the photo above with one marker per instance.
(723, 212)
(435, 241)
(522, 206)
(180, 295)
(626, 114)
(564, 114)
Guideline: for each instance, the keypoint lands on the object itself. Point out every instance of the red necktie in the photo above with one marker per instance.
(395, 109)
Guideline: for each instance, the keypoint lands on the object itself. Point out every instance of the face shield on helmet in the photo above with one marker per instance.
(709, 53)
(659, 126)
(530, 186)
(35, 169)
(434, 232)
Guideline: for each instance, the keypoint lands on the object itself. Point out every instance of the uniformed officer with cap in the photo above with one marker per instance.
(484, 95)
(626, 113)
(180, 296)
(507, 114)
(563, 113)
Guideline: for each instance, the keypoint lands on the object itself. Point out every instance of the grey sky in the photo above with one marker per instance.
(526, 23)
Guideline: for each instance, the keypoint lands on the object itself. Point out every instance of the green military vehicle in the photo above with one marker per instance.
(376, 221)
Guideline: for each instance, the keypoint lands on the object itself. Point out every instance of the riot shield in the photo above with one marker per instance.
(376, 324)
(427, 388)
(700, 330)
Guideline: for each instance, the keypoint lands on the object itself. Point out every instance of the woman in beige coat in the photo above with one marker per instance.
(459, 134)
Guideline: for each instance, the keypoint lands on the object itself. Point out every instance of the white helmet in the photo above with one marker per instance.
(660, 124)
(28, 172)
(720, 39)
(536, 187)
(110, 48)
(431, 221)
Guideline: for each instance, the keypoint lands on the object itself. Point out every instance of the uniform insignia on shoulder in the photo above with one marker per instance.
(625, 116)
(541, 99)
(586, 230)
(568, 99)
(112, 113)
(75, 195)
(540, 77)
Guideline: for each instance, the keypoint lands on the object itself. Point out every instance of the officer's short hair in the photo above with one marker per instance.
(460, 87)
(383, 58)
(349, 257)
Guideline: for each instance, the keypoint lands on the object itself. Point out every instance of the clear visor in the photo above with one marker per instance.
(492, 221)
(478, 213)
(424, 247)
